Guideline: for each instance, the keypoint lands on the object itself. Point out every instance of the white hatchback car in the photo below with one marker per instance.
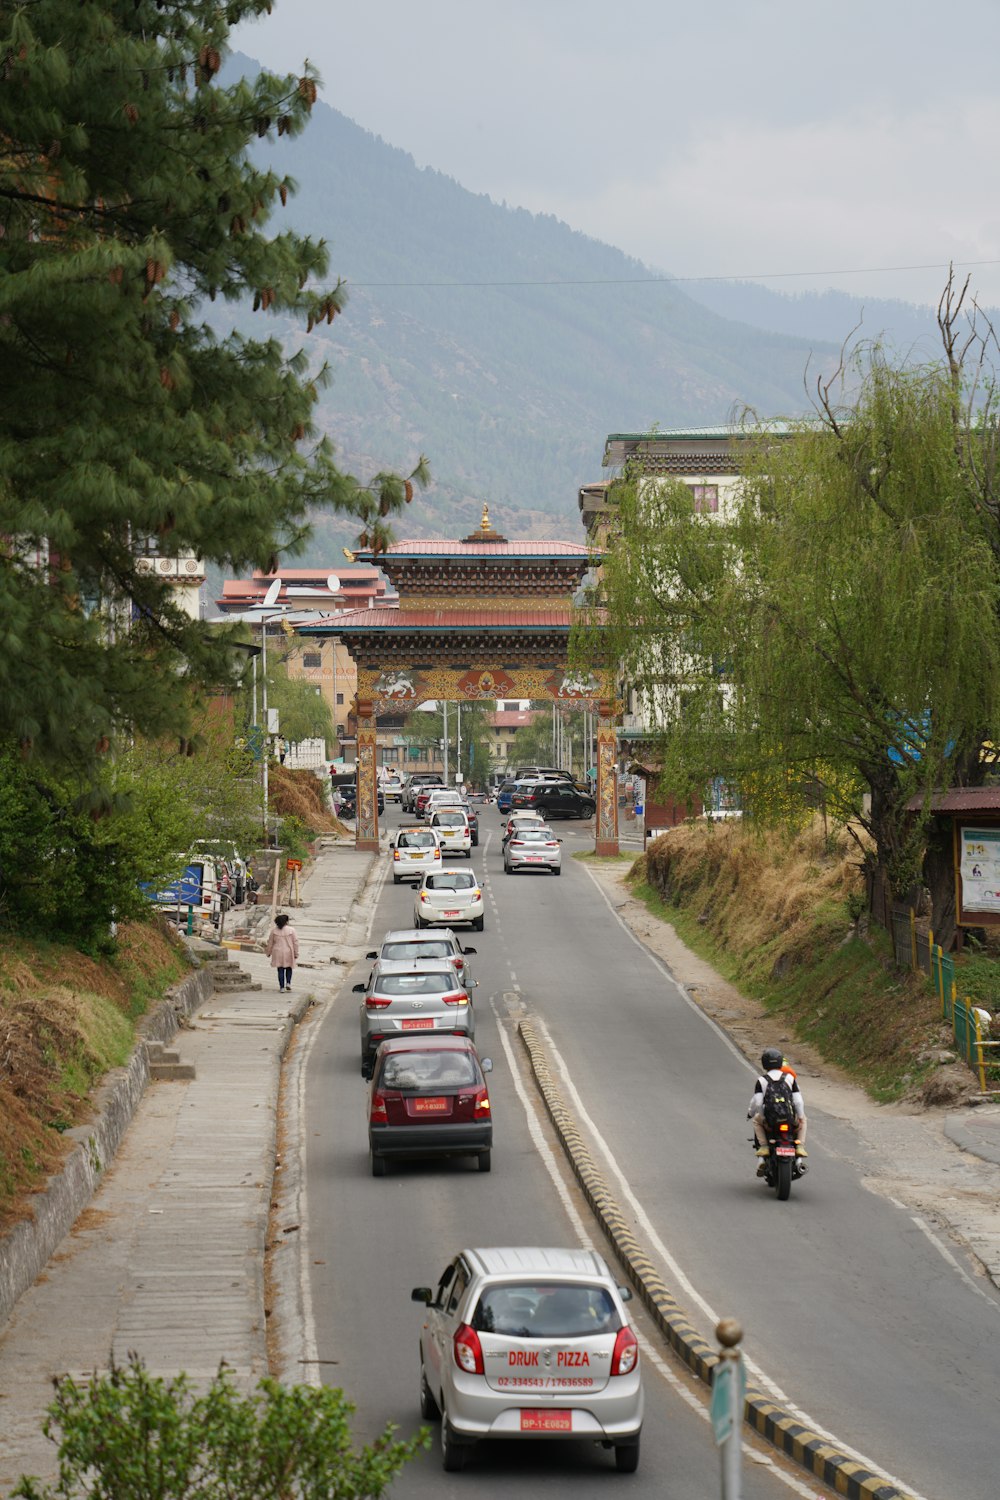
(530, 1343)
(448, 898)
(451, 824)
(414, 852)
(440, 797)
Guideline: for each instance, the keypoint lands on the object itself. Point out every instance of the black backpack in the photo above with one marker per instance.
(778, 1106)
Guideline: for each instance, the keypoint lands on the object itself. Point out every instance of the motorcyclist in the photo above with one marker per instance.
(773, 1064)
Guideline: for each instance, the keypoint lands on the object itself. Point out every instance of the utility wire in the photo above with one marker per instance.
(680, 280)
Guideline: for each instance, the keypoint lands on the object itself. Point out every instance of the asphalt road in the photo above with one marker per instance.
(857, 1313)
(372, 1240)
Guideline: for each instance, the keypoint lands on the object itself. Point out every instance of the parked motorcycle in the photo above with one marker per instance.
(782, 1167)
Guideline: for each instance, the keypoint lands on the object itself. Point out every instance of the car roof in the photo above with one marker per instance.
(443, 1043)
(537, 1260)
(413, 966)
(415, 934)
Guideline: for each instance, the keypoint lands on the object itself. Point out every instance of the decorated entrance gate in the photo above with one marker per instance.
(480, 618)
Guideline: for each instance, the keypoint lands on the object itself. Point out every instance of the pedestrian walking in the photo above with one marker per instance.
(283, 950)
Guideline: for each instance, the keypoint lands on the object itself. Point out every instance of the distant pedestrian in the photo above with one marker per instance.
(282, 750)
(283, 950)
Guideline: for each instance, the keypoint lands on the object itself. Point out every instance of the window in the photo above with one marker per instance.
(340, 697)
(705, 496)
(311, 660)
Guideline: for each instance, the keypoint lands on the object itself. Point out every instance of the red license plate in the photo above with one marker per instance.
(546, 1421)
(433, 1106)
(784, 1150)
(451, 913)
(419, 1023)
(535, 859)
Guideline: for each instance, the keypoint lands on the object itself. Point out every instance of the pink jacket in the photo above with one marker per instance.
(283, 946)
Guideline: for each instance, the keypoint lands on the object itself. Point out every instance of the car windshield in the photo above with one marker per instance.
(424, 948)
(450, 880)
(428, 1070)
(422, 840)
(414, 984)
(545, 1310)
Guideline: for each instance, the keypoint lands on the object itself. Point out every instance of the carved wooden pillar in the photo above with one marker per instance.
(366, 824)
(607, 780)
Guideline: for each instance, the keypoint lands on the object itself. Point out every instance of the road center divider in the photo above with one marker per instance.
(776, 1425)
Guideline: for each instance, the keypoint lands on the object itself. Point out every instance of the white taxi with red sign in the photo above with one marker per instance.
(448, 899)
(530, 1343)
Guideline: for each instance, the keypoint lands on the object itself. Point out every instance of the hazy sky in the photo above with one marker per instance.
(732, 139)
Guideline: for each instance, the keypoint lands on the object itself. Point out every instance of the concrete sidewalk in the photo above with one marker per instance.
(168, 1259)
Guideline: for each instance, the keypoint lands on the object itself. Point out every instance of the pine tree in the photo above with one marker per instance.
(129, 201)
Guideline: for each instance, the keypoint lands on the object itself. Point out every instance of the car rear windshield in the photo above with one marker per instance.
(423, 840)
(425, 948)
(450, 880)
(531, 835)
(414, 984)
(545, 1310)
(449, 820)
(428, 1070)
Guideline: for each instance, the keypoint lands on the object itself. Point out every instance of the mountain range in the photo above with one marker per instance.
(506, 345)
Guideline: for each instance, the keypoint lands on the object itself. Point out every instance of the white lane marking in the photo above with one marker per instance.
(310, 1348)
(689, 1289)
(591, 1242)
(659, 964)
(955, 1264)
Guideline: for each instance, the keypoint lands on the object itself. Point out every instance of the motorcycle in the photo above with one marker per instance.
(782, 1167)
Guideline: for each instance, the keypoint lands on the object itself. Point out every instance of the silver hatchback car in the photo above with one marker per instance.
(530, 1343)
(408, 943)
(532, 847)
(425, 995)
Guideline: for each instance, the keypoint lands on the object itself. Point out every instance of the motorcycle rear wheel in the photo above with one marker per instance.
(783, 1178)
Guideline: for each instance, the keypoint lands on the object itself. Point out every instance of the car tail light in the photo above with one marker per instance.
(458, 997)
(424, 896)
(378, 1109)
(476, 895)
(481, 1102)
(459, 963)
(395, 853)
(469, 1351)
(377, 1002)
(552, 843)
(626, 1355)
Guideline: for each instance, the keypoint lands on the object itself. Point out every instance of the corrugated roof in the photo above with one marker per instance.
(431, 620)
(960, 799)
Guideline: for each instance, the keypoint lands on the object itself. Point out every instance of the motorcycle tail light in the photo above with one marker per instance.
(783, 1128)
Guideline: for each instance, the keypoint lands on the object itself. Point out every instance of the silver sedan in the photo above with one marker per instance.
(532, 848)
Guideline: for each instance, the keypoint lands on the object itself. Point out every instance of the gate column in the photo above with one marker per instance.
(366, 824)
(606, 843)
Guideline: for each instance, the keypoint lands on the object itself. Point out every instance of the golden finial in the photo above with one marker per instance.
(485, 523)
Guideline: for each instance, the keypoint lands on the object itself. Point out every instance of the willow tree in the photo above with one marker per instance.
(833, 635)
(129, 201)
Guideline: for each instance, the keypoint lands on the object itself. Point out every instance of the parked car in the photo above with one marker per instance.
(448, 898)
(532, 848)
(553, 799)
(412, 785)
(409, 943)
(412, 995)
(532, 773)
(428, 1097)
(413, 852)
(451, 824)
(529, 1344)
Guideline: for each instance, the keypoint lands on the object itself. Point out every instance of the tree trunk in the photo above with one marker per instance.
(939, 877)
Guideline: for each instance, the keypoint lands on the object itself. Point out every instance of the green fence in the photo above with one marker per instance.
(978, 1051)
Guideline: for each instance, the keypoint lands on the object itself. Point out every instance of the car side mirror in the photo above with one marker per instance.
(422, 1294)
(359, 989)
(472, 984)
(625, 1293)
(468, 950)
(372, 954)
(486, 1063)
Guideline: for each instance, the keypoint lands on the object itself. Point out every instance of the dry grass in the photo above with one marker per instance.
(773, 913)
(65, 1021)
(299, 794)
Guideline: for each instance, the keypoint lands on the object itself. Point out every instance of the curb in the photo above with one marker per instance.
(808, 1449)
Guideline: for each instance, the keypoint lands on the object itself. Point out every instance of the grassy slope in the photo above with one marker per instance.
(770, 913)
(65, 1021)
